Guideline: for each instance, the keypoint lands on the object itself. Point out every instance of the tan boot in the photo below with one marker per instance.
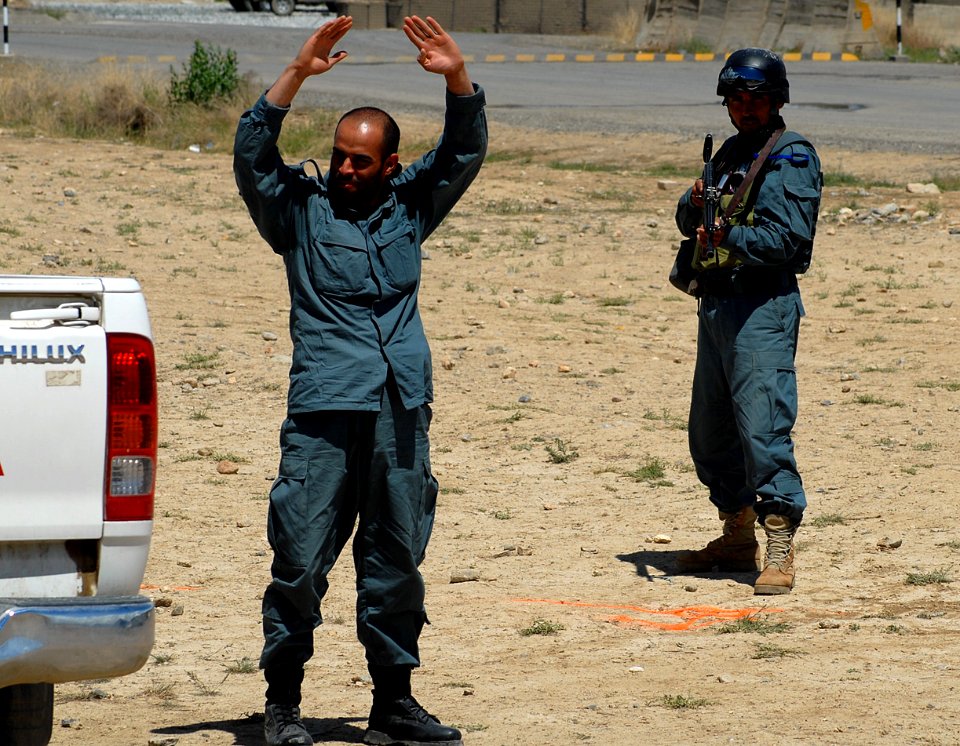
(778, 574)
(736, 550)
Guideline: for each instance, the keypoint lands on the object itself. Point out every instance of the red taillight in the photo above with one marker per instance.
(131, 428)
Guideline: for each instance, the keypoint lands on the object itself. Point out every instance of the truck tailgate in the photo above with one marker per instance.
(52, 441)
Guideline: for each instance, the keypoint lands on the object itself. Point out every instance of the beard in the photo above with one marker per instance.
(352, 194)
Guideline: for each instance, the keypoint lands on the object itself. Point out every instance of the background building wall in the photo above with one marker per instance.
(670, 25)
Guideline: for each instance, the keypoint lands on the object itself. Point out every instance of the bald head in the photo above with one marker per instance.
(369, 119)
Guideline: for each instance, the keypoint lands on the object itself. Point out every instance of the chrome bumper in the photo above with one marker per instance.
(69, 639)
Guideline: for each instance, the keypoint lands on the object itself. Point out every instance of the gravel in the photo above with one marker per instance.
(201, 13)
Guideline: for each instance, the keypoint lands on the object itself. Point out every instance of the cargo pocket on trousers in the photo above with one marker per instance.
(775, 391)
(288, 500)
(429, 489)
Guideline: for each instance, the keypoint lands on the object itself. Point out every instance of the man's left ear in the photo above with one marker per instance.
(392, 166)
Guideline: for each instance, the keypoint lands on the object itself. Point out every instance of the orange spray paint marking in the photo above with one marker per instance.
(682, 619)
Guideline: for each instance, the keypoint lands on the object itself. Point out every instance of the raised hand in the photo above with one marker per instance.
(314, 57)
(439, 53)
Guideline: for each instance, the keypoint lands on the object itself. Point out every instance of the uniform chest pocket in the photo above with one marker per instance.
(339, 263)
(400, 255)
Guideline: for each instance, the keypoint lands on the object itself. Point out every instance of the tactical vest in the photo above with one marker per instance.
(729, 176)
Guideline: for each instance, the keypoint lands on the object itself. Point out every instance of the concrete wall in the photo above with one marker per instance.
(785, 25)
(667, 25)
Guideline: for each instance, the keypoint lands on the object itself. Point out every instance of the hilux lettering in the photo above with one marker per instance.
(52, 355)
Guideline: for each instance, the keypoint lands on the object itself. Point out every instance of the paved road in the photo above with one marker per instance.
(862, 105)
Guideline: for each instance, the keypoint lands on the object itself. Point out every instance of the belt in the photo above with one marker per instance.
(742, 280)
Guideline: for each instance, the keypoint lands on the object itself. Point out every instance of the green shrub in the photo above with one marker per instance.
(210, 75)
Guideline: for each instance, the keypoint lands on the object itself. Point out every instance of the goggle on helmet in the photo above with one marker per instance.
(754, 71)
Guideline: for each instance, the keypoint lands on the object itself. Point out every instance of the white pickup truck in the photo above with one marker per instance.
(78, 440)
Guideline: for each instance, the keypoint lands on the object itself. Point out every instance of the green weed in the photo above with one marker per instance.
(243, 665)
(559, 452)
(828, 519)
(210, 75)
(198, 361)
(754, 624)
(681, 702)
(935, 577)
(541, 626)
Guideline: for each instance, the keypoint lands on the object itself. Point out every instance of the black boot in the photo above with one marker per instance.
(282, 725)
(397, 718)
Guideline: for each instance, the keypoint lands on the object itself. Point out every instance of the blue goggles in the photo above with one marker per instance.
(746, 77)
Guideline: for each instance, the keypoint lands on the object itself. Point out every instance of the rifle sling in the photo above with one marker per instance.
(752, 173)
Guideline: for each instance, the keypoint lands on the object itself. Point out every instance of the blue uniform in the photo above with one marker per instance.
(355, 444)
(744, 400)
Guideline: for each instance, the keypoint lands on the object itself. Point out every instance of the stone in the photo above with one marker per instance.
(227, 467)
(887, 210)
(466, 575)
(920, 188)
(268, 336)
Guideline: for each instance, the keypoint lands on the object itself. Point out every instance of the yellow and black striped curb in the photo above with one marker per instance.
(526, 58)
(136, 59)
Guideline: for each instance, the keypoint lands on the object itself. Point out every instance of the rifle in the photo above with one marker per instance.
(711, 196)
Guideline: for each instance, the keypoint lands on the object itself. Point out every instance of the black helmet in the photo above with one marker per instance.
(756, 71)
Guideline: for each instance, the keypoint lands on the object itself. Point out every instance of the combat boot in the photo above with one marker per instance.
(282, 726)
(404, 721)
(778, 574)
(735, 550)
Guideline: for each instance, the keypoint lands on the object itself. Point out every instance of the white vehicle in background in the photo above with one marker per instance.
(78, 440)
(286, 7)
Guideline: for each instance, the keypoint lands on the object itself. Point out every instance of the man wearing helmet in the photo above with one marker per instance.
(744, 273)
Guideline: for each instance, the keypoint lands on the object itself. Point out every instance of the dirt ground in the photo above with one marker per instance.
(563, 361)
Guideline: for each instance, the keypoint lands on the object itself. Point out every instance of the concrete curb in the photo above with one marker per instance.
(530, 58)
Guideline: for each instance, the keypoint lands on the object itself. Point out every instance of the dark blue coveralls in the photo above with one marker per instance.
(744, 400)
(355, 443)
